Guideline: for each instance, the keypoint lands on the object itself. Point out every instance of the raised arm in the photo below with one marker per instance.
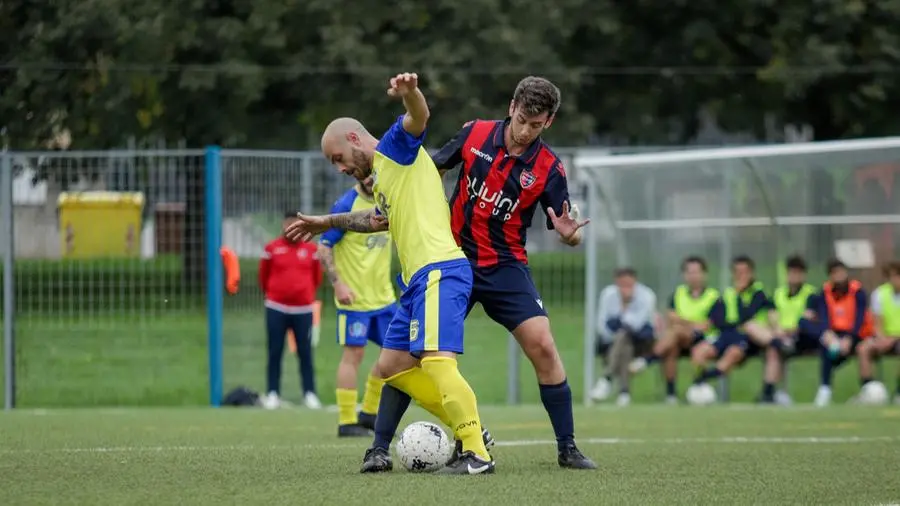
(406, 87)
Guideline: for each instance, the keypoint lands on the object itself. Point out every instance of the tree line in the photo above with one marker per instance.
(272, 73)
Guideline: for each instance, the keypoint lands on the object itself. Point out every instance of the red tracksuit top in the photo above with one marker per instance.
(289, 275)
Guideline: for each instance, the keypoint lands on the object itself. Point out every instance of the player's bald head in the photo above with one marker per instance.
(342, 130)
(349, 146)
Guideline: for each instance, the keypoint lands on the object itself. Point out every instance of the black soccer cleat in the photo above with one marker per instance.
(377, 460)
(366, 420)
(486, 437)
(570, 457)
(468, 464)
(353, 430)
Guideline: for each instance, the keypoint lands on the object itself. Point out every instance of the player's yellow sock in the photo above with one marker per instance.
(459, 402)
(372, 395)
(422, 389)
(346, 401)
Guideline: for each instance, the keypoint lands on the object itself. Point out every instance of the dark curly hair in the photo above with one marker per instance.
(536, 95)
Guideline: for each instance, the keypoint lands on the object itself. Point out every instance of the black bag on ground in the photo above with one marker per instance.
(241, 396)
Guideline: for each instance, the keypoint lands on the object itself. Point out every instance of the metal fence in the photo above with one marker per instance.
(766, 202)
(150, 323)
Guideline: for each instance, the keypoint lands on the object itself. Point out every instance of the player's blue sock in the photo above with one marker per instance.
(557, 401)
(651, 358)
(670, 388)
(768, 390)
(826, 366)
(864, 380)
(393, 405)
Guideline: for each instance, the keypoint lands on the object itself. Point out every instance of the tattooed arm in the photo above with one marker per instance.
(305, 227)
(360, 221)
(342, 292)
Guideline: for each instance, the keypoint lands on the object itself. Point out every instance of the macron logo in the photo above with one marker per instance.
(483, 156)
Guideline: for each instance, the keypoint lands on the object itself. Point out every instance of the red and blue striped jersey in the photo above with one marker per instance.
(496, 193)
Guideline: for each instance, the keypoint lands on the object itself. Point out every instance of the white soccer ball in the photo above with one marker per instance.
(702, 394)
(423, 447)
(873, 393)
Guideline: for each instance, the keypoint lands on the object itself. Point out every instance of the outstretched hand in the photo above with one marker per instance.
(403, 84)
(304, 228)
(566, 225)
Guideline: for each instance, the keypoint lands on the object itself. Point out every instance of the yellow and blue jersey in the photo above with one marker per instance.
(364, 260)
(410, 194)
(437, 278)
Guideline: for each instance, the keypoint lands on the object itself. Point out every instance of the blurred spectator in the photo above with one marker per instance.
(842, 321)
(886, 311)
(792, 303)
(289, 275)
(625, 320)
(687, 323)
(741, 322)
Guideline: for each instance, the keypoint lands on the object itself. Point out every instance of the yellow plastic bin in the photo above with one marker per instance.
(100, 224)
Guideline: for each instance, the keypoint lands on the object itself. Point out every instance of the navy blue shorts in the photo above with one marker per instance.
(432, 309)
(731, 338)
(805, 342)
(507, 294)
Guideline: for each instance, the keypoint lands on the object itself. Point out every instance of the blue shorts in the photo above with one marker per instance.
(731, 338)
(432, 309)
(507, 294)
(355, 328)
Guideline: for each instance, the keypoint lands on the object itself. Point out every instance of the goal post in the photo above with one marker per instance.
(652, 210)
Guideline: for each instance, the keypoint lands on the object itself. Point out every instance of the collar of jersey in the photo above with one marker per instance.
(528, 155)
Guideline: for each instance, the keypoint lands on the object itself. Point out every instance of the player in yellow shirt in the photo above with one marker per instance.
(418, 356)
(359, 268)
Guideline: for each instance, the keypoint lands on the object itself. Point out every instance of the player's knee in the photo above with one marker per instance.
(352, 355)
(392, 362)
(700, 353)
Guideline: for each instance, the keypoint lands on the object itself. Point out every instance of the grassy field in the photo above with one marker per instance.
(647, 455)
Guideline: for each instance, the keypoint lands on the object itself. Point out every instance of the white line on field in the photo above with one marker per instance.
(518, 443)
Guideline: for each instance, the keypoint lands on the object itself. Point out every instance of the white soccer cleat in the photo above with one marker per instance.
(623, 400)
(637, 365)
(823, 397)
(271, 401)
(601, 390)
(783, 398)
(312, 401)
(671, 400)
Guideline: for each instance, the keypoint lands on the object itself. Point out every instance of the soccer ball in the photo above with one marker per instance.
(701, 394)
(423, 447)
(873, 393)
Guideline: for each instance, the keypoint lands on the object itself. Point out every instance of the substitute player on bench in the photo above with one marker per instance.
(359, 268)
(740, 316)
(886, 311)
(688, 323)
(842, 321)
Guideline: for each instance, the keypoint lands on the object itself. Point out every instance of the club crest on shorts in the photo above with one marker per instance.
(357, 329)
(527, 179)
(413, 330)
